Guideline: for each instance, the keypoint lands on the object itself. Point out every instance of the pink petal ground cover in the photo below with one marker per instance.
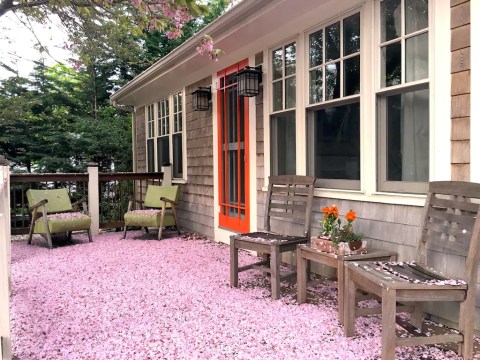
(170, 299)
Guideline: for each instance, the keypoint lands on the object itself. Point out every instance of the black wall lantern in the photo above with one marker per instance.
(249, 80)
(201, 99)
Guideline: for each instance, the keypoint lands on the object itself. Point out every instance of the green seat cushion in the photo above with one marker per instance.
(148, 218)
(63, 222)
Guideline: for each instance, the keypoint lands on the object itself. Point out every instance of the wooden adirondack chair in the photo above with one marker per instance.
(288, 198)
(451, 224)
(57, 214)
(156, 211)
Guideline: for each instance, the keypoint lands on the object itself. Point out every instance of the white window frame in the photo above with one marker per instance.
(340, 184)
(160, 131)
(440, 103)
(269, 93)
(404, 87)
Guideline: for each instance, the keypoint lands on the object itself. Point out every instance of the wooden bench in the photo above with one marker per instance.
(288, 198)
(451, 224)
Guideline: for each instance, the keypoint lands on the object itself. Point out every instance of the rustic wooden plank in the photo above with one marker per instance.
(288, 207)
(233, 263)
(467, 220)
(275, 271)
(460, 37)
(290, 190)
(301, 276)
(388, 324)
(460, 15)
(460, 60)
(455, 204)
(460, 152)
(434, 339)
(289, 198)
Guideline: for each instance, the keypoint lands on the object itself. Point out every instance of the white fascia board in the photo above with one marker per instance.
(217, 29)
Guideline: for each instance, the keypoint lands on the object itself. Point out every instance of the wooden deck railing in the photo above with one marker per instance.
(109, 205)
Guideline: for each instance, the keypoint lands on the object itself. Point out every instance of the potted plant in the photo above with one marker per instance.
(338, 236)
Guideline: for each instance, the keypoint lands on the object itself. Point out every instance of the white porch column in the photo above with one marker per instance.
(5, 258)
(93, 198)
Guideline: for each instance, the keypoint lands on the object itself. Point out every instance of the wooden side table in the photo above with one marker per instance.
(306, 253)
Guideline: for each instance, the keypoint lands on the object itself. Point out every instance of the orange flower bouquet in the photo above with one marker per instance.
(338, 231)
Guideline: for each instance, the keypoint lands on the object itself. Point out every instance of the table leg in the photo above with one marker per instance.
(341, 289)
(301, 277)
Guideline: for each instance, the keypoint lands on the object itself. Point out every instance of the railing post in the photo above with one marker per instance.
(93, 198)
(167, 174)
(5, 259)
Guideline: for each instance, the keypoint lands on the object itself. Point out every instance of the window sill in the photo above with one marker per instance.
(378, 197)
(179, 181)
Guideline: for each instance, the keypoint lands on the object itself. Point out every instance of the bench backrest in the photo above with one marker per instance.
(58, 199)
(290, 197)
(155, 192)
(452, 223)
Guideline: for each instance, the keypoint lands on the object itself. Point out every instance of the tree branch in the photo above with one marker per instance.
(7, 5)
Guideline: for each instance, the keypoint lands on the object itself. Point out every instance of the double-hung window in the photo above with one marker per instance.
(403, 97)
(165, 123)
(150, 138)
(282, 118)
(333, 113)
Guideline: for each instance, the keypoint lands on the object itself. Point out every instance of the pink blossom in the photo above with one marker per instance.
(171, 299)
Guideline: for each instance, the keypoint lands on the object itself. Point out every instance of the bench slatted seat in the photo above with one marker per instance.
(451, 224)
(289, 197)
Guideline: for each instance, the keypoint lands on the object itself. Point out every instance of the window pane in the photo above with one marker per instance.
(316, 86)
(332, 80)
(332, 42)
(351, 34)
(407, 136)
(416, 58)
(316, 48)
(392, 64)
(177, 156)
(163, 151)
(390, 19)
(290, 57)
(283, 151)
(336, 145)
(151, 156)
(416, 15)
(277, 96)
(351, 76)
(277, 64)
(290, 92)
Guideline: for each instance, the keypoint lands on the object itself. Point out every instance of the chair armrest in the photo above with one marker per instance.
(132, 199)
(41, 203)
(168, 200)
(81, 201)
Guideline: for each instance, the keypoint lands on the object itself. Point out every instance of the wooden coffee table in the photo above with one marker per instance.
(306, 253)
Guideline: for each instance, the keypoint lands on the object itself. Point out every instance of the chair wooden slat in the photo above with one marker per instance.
(455, 204)
(289, 206)
(289, 198)
(452, 225)
(434, 214)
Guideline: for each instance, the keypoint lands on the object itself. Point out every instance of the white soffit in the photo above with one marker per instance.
(250, 27)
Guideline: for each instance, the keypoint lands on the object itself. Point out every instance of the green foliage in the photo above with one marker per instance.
(48, 123)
